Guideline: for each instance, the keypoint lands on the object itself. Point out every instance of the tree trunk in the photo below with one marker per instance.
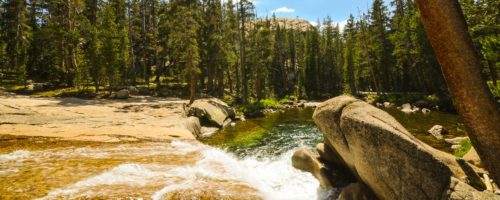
(446, 28)
(493, 72)
(192, 87)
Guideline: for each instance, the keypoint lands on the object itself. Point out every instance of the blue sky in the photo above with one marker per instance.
(312, 10)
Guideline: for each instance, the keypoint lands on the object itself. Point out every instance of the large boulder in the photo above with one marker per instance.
(212, 112)
(381, 153)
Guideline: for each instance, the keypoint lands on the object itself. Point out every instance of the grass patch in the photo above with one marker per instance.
(463, 148)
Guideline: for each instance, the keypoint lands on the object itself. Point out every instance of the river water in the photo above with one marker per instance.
(251, 160)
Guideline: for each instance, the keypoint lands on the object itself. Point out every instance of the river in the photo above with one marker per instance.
(251, 160)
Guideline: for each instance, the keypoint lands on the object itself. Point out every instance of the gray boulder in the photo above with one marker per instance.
(212, 112)
(122, 94)
(133, 90)
(382, 154)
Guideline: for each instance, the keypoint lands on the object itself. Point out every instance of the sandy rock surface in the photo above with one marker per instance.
(141, 118)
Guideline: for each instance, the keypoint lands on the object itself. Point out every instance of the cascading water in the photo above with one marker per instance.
(249, 161)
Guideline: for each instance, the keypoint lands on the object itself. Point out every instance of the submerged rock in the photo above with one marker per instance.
(456, 140)
(207, 131)
(438, 131)
(382, 154)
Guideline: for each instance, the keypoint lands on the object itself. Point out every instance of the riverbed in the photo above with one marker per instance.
(248, 161)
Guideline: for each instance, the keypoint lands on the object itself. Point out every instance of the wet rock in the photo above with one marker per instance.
(208, 131)
(122, 94)
(407, 108)
(438, 131)
(472, 157)
(388, 104)
(456, 140)
(356, 191)
(307, 161)
(382, 154)
(241, 118)
(193, 125)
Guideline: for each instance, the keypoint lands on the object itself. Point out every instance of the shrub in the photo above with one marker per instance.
(463, 148)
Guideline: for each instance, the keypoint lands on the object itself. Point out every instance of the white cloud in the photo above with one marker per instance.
(342, 24)
(284, 9)
(314, 23)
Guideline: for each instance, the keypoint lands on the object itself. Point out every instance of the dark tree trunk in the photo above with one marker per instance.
(493, 72)
(446, 28)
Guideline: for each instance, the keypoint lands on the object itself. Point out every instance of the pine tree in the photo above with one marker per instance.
(312, 49)
(16, 33)
(230, 44)
(349, 33)
(245, 8)
(110, 45)
(183, 41)
(379, 44)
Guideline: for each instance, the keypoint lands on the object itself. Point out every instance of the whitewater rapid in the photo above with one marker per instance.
(271, 177)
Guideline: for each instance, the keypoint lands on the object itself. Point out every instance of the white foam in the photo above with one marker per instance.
(275, 179)
(15, 155)
(129, 174)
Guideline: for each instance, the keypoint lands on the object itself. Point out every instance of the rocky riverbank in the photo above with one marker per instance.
(138, 118)
(384, 160)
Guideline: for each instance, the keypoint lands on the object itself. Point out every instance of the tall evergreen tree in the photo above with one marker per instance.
(16, 33)
(183, 41)
(349, 32)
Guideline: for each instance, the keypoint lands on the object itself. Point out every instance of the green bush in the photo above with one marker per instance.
(268, 103)
(463, 148)
(433, 99)
(495, 89)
